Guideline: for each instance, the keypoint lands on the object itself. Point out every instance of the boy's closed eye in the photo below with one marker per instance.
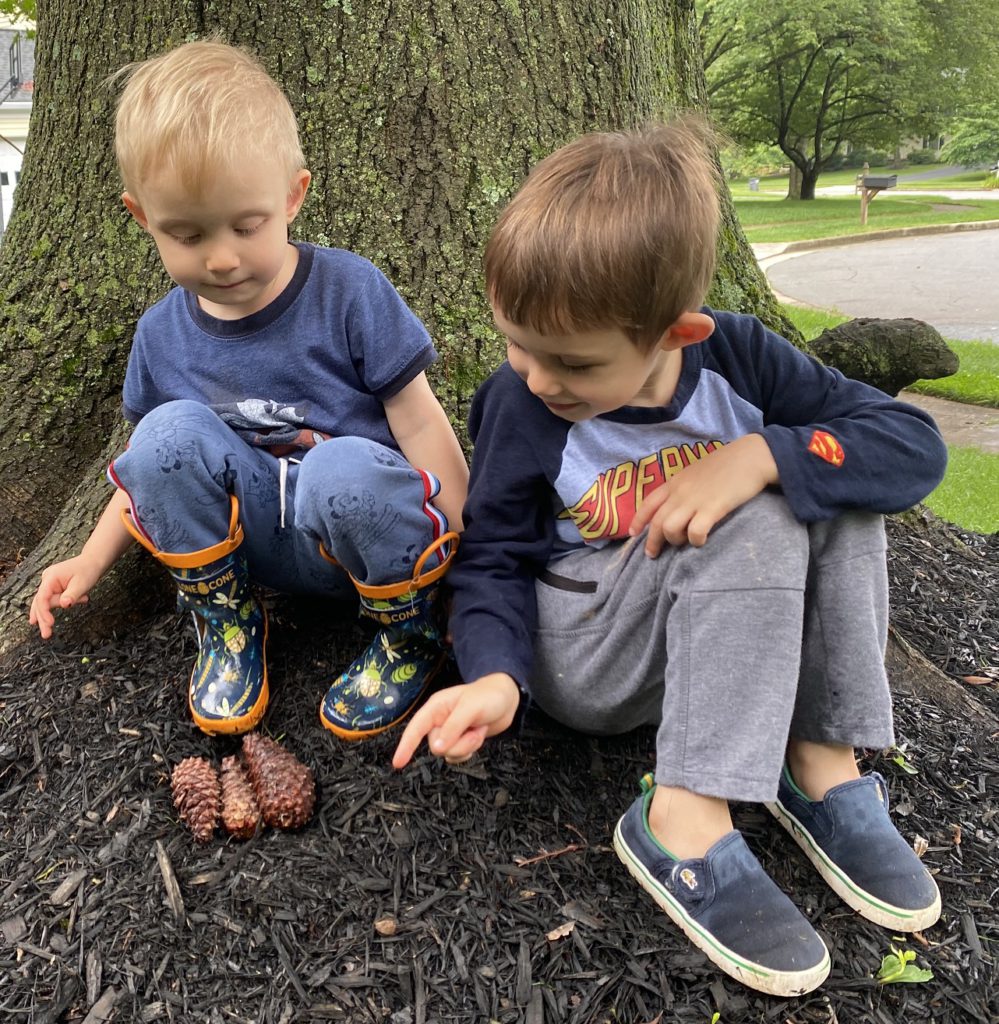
(572, 367)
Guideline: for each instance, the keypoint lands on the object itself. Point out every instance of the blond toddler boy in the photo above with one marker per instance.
(285, 433)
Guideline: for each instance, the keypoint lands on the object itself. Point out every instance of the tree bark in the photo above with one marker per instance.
(809, 179)
(418, 122)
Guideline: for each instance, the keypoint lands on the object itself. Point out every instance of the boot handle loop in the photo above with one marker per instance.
(445, 538)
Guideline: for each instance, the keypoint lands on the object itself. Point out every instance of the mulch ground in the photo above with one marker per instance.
(503, 898)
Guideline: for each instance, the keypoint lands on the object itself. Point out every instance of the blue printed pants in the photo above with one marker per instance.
(370, 509)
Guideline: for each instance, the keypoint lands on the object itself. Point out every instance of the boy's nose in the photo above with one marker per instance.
(221, 260)
(541, 383)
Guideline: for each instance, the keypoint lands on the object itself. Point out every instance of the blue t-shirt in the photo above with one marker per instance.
(317, 362)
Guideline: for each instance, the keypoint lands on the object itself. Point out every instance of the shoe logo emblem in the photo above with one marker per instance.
(689, 879)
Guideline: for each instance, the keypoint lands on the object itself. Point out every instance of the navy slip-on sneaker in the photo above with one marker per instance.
(727, 905)
(852, 842)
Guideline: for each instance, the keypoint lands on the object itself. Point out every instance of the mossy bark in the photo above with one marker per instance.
(418, 122)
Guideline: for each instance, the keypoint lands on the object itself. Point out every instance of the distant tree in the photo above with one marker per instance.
(974, 138)
(812, 77)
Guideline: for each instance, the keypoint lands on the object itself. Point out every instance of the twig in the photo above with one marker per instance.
(548, 854)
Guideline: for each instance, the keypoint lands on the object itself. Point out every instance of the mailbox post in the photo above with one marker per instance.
(870, 187)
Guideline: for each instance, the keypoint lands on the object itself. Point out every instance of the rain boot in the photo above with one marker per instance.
(385, 683)
(228, 688)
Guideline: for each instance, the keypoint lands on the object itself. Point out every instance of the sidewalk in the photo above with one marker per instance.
(963, 426)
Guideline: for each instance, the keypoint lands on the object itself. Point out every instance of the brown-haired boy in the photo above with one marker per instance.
(750, 622)
(282, 414)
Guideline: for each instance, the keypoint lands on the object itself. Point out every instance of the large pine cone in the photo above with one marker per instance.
(240, 813)
(195, 788)
(283, 786)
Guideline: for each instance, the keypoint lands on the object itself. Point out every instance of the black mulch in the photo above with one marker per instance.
(108, 911)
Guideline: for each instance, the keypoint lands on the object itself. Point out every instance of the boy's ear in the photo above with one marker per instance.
(296, 193)
(688, 329)
(132, 205)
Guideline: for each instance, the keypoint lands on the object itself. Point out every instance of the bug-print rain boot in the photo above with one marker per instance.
(228, 688)
(385, 683)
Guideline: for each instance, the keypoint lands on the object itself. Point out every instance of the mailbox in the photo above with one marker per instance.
(881, 181)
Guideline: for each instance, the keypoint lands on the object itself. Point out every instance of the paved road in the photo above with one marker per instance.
(949, 280)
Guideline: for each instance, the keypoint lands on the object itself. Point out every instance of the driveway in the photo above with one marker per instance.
(948, 280)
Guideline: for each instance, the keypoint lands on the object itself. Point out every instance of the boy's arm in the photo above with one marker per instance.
(508, 537)
(838, 444)
(425, 436)
(69, 582)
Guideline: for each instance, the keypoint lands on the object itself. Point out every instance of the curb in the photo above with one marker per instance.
(767, 250)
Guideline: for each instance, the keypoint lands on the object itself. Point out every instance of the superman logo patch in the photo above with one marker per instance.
(826, 447)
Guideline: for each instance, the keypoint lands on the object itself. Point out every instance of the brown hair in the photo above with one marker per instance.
(615, 229)
(199, 108)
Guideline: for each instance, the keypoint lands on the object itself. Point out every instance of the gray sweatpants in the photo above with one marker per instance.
(773, 628)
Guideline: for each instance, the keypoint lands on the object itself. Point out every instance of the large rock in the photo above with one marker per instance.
(889, 354)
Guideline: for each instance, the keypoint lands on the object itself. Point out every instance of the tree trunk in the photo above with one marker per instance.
(809, 178)
(418, 122)
(794, 182)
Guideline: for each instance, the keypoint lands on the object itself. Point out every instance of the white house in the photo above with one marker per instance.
(17, 70)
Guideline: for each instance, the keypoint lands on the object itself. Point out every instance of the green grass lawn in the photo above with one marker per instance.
(777, 185)
(964, 180)
(768, 219)
(967, 494)
(977, 380)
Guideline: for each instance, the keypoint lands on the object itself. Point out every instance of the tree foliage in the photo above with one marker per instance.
(18, 8)
(975, 137)
(811, 78)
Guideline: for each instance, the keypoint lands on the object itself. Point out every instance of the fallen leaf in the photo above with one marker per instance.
(920, 845)
(561, 931)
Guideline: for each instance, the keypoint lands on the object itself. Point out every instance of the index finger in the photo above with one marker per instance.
(415, 732)
(649, 507)
(40, 615)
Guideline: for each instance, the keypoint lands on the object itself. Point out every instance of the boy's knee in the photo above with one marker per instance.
(177, 422)
(349, 465)
(766, 519)
(173, 439)
(760, 544)
(848, 536)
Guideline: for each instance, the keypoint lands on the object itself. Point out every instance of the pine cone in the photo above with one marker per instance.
(283, 786)
(195, 788)
(240, 813)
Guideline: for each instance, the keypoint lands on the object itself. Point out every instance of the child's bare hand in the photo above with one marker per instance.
(456, 721)
(63, 585)
(687, 506)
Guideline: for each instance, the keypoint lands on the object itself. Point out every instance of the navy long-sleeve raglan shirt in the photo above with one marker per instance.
(542, 486)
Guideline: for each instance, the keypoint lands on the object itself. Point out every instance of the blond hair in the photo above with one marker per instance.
(615, 229)
(200, 108)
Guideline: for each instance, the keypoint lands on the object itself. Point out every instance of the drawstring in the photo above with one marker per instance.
(283, 481)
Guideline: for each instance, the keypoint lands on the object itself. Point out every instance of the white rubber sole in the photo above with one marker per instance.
(864, 903)
(752, 975)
